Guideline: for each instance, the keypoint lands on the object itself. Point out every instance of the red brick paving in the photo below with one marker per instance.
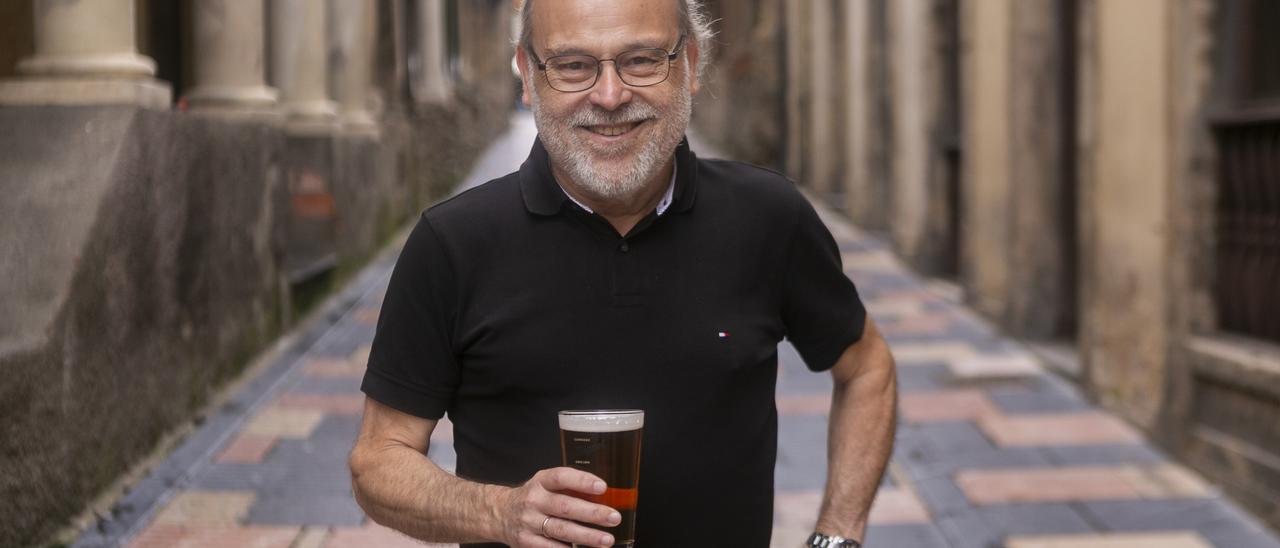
(1090, 428)
(164, 535)
(347, 404)
(946, 405)
(333, 368)
(246, 448)
(804, 404)
(1046, 485)
(371, 535)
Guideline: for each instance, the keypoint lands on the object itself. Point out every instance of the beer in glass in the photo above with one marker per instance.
(607, 444)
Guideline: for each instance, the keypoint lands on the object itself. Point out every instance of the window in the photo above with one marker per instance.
(1247, 137)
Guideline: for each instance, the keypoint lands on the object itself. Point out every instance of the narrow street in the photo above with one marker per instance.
(992, 450)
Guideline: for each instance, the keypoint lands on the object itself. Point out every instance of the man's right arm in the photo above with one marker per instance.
(397, 486)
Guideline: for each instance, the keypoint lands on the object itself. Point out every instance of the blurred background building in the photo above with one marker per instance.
(1098, 177)
(181, 180)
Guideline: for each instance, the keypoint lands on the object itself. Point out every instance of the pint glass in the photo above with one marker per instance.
(607, 444)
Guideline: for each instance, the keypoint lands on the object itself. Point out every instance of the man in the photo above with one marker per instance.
(615, 270)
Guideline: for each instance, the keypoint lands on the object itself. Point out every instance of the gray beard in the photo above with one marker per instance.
(596, 179)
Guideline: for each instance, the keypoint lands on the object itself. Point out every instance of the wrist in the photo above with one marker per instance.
(497, 501)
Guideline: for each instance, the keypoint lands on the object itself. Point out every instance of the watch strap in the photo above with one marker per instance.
(819, 540)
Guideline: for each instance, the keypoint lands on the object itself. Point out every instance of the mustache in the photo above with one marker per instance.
(628, 114)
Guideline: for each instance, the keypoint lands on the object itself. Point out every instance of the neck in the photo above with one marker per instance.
(623, 212)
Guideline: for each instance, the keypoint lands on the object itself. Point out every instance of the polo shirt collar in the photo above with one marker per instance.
(663, 203)
(543, 195)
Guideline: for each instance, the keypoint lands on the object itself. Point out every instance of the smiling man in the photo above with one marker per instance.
(616, 270)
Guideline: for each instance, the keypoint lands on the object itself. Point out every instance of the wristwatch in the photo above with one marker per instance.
(819, 540)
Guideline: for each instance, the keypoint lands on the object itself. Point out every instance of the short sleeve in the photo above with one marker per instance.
(412, 367)
(821, 308)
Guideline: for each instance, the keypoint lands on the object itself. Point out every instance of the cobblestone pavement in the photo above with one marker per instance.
(991, 451)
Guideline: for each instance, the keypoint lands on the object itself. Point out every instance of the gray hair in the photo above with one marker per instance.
(693, 22)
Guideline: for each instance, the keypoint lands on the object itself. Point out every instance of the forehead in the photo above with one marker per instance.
(603, 25)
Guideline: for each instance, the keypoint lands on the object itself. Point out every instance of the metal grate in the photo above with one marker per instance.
(1248, 226)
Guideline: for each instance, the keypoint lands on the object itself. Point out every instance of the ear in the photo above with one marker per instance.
(691, 56)
(526, 76)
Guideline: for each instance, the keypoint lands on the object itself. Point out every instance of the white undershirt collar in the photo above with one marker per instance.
(663, 204)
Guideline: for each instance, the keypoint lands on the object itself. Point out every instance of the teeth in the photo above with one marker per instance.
(612, 131)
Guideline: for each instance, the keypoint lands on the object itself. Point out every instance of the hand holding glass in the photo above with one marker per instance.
(607, 444)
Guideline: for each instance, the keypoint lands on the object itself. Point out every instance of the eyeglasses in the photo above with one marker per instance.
(636, 68)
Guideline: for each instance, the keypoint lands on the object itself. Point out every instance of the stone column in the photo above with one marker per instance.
(431, 82)
(352, 70)
(86, 53)
(230, 63)
(300, 65)
(1041, 283)
(1125, 267)
(988, 72)
(823, 73)
(908, 20)
(796, 19)
(858, 191)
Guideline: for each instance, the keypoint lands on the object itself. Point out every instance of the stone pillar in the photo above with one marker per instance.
(431, 82)
(300, 65)
(796, 19)
(1126, 268)
(86, 53)
(230, 63)
(1040, 285)
(909, 31)
(86, 38)
(870, 110)
(352, 70)
(862, 197)
(822, 149)
(985, 261)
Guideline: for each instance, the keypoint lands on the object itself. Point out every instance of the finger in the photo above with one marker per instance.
(576, 509)
(566, 530)
(565, 478)
(528, 539)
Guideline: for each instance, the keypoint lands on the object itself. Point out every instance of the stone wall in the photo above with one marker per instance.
(151, 260)
(144, 264)
(1222, 393)
(1090, 133)
(739, 107)
(1019, 189)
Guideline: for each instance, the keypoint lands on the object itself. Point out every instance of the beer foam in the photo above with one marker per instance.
(601, 421)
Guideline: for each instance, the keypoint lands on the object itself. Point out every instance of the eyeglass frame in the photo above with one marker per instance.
(671, 58)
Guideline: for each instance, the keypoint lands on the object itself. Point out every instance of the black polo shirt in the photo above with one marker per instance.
(510, 303)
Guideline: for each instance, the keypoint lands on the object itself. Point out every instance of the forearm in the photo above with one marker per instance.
(400, 488)
(860, 441)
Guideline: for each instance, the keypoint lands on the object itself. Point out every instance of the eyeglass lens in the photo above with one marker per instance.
(638, 68)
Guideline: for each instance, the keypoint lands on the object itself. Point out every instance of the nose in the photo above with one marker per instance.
(609, 92)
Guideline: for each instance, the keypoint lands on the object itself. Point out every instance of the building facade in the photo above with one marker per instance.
(181, 180)
(1098, 177)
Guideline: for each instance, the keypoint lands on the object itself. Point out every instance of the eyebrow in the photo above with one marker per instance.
(629, 46)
